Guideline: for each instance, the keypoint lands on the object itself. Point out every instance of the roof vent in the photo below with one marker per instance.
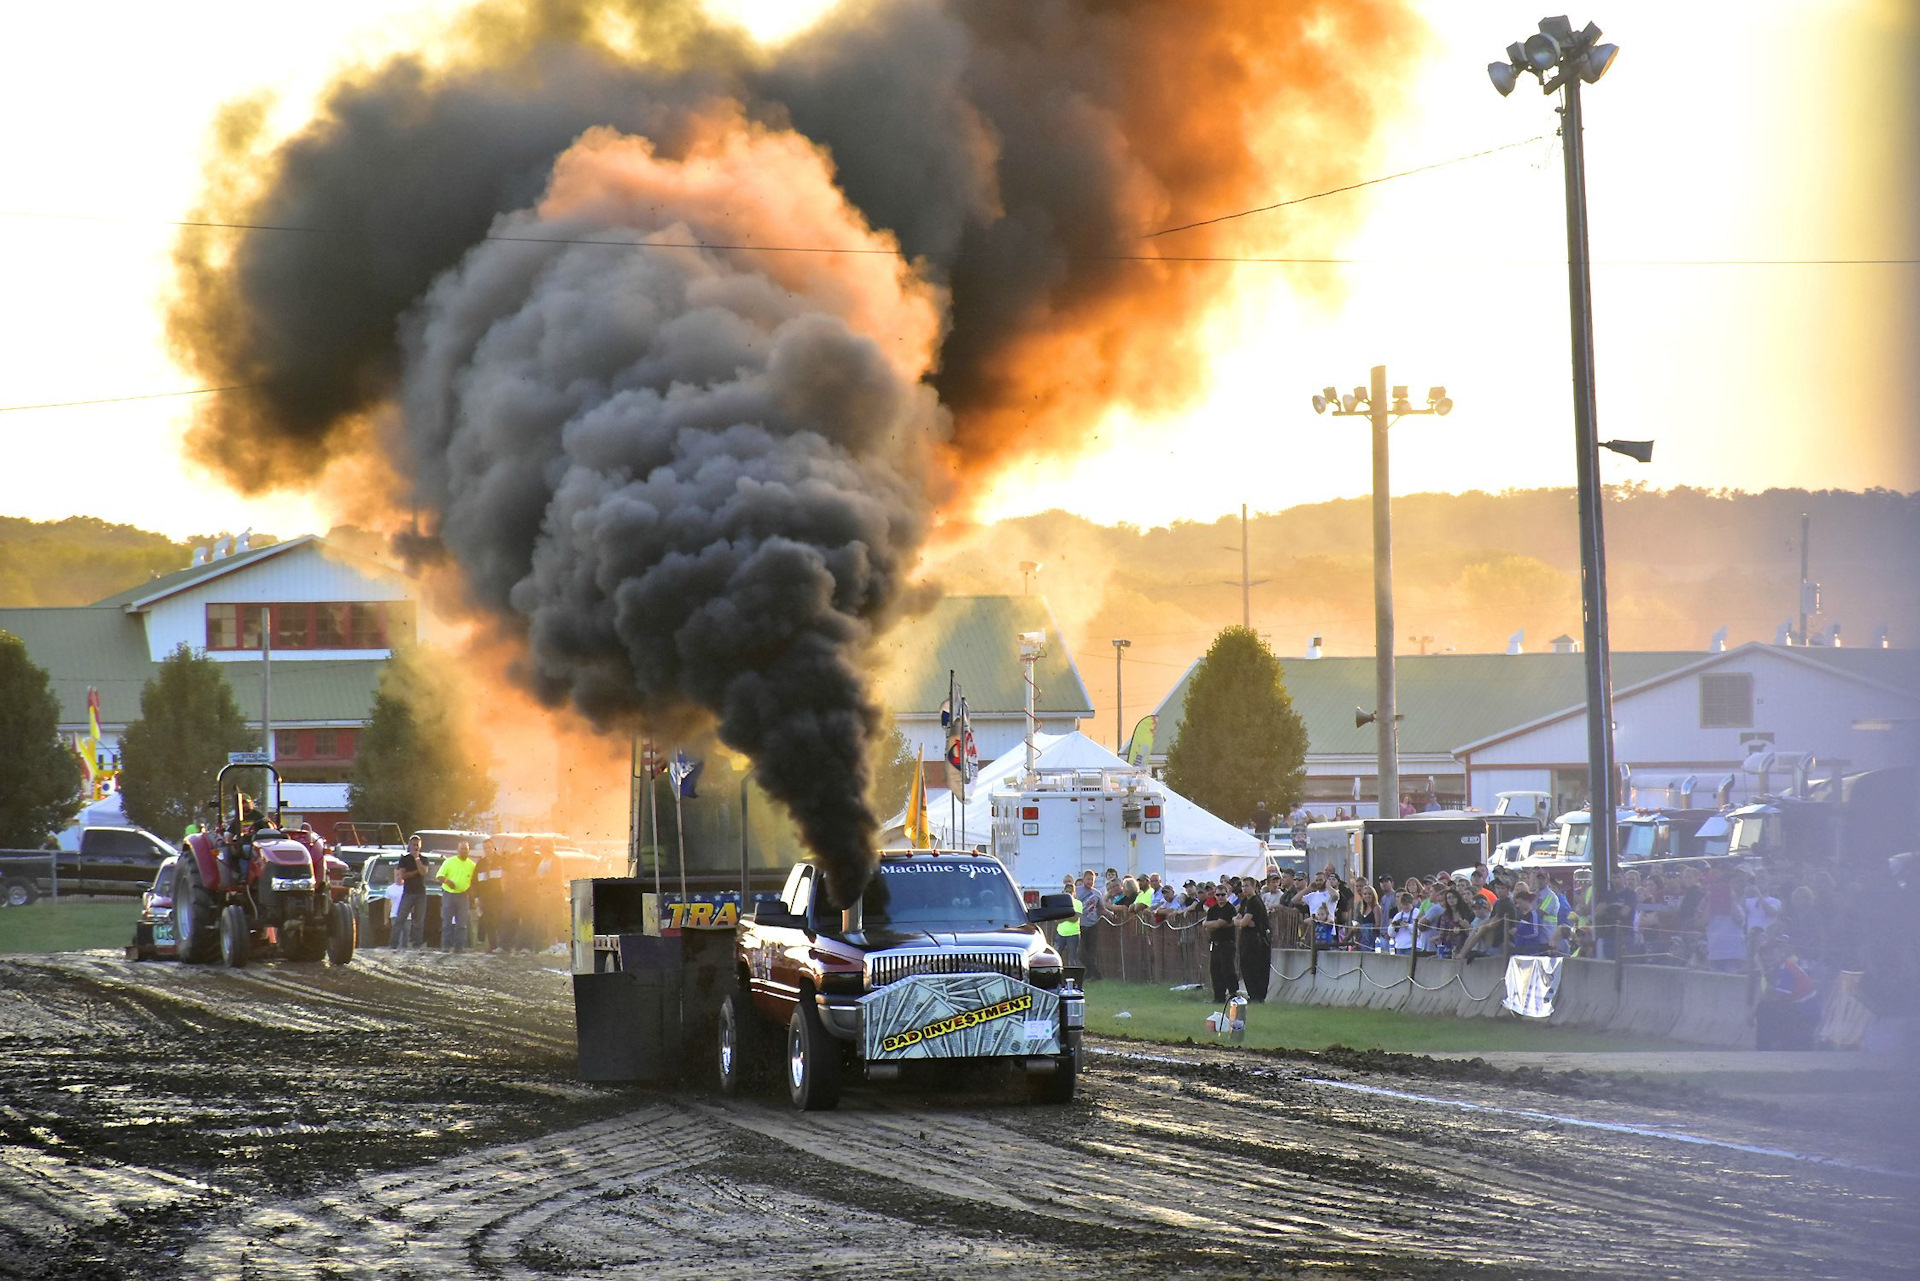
(1564, 644)
(1718, 645)
(1830, 637)
(222, 548)
(1313, 648)
(200, 556)
(1784, 634)
(1516, 643)
(1883, 638)
(244, 543)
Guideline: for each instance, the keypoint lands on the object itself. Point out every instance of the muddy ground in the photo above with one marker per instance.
(419, 1116)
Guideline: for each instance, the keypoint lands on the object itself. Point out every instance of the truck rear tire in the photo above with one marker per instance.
(813, 1060)
(235, 937)
(344, 934)
(20, 893)
(745, 1049)
(193, 916)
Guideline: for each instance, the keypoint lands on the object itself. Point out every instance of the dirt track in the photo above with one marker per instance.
(419, 1117)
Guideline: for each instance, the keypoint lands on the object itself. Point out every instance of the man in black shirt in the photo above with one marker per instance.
(1255, 942)
(410, 918)
(1218, 927)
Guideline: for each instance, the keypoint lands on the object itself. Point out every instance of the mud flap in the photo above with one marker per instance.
(627, 1024)
(652, 1019)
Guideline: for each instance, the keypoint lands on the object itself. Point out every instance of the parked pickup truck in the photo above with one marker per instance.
(939, 960)
(110, 860)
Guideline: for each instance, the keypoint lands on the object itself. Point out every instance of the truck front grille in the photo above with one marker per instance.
(890, 967)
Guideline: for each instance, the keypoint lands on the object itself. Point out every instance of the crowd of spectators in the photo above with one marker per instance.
(1793, 931)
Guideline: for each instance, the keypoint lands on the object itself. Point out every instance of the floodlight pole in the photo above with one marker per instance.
(1387, 724)
(1593, 546)
(1380, 412)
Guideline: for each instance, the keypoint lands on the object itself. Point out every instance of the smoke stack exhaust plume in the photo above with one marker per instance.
(888, 257)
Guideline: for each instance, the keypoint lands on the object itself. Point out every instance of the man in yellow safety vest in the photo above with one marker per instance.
(1070, 928)
(456, 878)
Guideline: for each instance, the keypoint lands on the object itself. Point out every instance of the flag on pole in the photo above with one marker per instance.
(1140, 746)
(685, 775)
(86, 758)
(919, 832)
(963, 756)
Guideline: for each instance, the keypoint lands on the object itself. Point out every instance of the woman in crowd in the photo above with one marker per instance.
(1367, 918)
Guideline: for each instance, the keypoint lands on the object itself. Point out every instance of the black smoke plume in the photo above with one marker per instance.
(698, 477)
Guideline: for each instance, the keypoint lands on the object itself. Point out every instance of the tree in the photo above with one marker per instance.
(39, 778)
(420, 758)
(171, 757)
(893, 759)
(1240, 741)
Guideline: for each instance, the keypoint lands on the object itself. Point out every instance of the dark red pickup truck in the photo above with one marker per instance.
(940, 960)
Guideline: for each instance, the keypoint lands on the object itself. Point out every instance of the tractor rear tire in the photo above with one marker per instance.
(235, 938)
(343, 935)
(194, 923)
(813, 1060)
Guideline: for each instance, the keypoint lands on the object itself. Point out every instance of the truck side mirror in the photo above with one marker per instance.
(1052, 907)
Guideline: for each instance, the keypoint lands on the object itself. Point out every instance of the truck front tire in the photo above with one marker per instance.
(812, 1061)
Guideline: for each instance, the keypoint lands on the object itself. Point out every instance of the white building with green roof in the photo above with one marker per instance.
(332, 618)
(1479, 724)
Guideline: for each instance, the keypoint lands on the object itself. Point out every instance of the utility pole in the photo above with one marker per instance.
(1806, 530)
(1246, 574)
(266, 679)
(1373, 402)
(1247, 582)
(1120, 646)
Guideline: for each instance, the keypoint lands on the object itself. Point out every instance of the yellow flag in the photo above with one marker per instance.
(919, 836)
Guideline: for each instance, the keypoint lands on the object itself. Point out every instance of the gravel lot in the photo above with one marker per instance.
(419, 1116)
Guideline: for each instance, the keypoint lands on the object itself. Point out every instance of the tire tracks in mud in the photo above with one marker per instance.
(417, 1114)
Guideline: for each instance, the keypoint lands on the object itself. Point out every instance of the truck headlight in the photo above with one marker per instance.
(842, 983)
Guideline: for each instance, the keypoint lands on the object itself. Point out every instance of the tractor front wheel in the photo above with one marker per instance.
(344, 934)
(235, 936)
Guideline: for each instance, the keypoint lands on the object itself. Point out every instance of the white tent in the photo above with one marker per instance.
(1199, 845)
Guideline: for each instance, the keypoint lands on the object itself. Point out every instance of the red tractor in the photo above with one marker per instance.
(246, 888)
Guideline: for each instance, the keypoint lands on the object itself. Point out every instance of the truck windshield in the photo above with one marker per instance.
(925, 894)
(1639, 842)
(1574, 839)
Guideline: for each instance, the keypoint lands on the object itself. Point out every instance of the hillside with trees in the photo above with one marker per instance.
(79, 560)
(1470, 570)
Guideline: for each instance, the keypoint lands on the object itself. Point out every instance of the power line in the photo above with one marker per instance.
(1050, 256)
(1352, 186)
(117, 400)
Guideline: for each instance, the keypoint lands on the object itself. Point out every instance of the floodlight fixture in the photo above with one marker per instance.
(1641, 450)
(1596, 60)
(1332, 395)
(1543, 53)
(1346, 404)
(1504, 76)
(1319, 404)
(1399, 393)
